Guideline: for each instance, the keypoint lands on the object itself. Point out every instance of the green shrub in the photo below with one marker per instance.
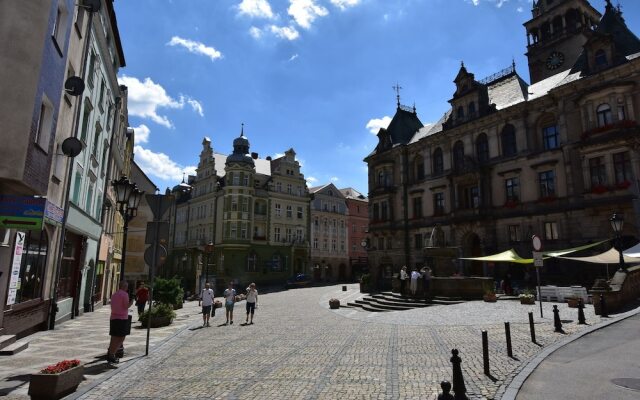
(365, 279)
(158, 310)
(167, 291)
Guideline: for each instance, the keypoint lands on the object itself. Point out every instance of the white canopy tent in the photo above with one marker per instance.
(632, 251)
(611, 256)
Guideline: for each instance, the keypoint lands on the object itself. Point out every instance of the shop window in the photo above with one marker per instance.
(33, 261)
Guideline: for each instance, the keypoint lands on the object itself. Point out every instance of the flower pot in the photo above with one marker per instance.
(490, 298)
(157, 322)
(55, 386)
(527, 300)
(334, 304)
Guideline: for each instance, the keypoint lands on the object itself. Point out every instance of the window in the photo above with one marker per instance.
(438, 164)
(89, 199)
(508, 138)
(325, 244)
(384, 211)
(622, 167)
(438, 203)
(621, 113)
(315, 243)
(458, 155)
(389, 243)
(32, 266)
(471, 197)
(45, 125)
(514, 233)
(289, 212)
(234, 230)
(315, 222)
(276, 235)
(550, 137)
(289, 189)
(380, 178)
(102, 89)
(551, 231)
(236, 179)
(547, 184)
(245, 180)
(380, 243)
(417, 240)
(276, 263)
(243, 230)
(417, 207)
(603, 112)
(300, 213)
(472, 109)
(333, 245)
(76, 187)
(299, 235)
(251, 263)
(234, 203)
(512, 189)
(279, 187)
(85, 120)
(289, 235)
(419, 164)
(59, 32)
(597, 171)
(376, 212)
(91, 69)
(601, 58)
(278, 210)
(96, 141)
(482, 148)
(460, 112)
(245, 204)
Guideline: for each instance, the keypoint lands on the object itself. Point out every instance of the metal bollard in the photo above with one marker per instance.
(459, 388)
(581, 320)
(507, 332)
(603, 307)
(557, 324)
(344, 288)
(532, 328)
(485, 353)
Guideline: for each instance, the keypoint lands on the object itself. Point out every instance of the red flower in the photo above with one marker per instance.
(598, 189)
(60, 367)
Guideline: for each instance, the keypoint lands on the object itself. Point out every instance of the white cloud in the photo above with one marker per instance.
(278, 155)
(304, 12)
(334, 179)
(311, 180)
(375, 124)
(255, 32)
(256, 9)
(344, 4)
(146, 97)
(159, 165)
(285, 32)
(293, 57)
(498, 3)
(195, 47)
(141, 133)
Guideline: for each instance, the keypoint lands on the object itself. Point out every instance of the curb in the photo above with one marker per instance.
(511, 391)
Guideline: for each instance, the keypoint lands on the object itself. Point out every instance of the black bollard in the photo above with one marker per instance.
(458, 380)
(344, 288)
(507, 332)
(446, 388)
(603, 307)
(581, 320)
(485, 353)
(532, 328)
(556, 320)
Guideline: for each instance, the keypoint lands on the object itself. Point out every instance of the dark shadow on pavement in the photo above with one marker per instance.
(195, 328)
(493, 378)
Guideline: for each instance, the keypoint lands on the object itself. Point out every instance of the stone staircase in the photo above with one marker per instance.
(388, 301)
(9, 346)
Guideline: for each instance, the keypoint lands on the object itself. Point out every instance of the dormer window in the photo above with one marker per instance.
(601, 58)
(603, 113)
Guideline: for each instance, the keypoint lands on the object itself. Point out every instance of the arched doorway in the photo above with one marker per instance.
(471, 247)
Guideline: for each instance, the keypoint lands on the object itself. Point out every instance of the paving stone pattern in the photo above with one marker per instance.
(299, 349)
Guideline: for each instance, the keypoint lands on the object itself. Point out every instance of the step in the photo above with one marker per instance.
(6, 340)
(383, 306)
(396, 303)
(14, 348)
(404, 300)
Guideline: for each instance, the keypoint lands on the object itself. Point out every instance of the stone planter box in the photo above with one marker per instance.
(334, 304)
(527, 300)
(55, 386)
(573, 303)
(490, 298)
(158, 322)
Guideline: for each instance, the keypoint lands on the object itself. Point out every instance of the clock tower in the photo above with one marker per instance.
(556, 34)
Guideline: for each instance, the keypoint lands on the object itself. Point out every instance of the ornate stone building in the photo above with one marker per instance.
(510, 159)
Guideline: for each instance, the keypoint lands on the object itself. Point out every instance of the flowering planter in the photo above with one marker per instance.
(573, 303)
(157, 322)
(527, 300)
(55, 386)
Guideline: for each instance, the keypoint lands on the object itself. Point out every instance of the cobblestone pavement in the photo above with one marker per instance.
(299, 349)
(85, 338)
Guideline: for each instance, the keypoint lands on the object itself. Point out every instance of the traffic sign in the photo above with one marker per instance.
(159, 203)
(537, 258)
(161, 255)
(536, 242)
(162, 235)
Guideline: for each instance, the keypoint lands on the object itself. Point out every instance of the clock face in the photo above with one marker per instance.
(555, 60)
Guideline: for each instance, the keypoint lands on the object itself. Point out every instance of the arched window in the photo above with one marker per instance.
(545, 30)
(601, 58)
(419, 168)
(460, 112)
(508, 138)
(604, 114)
(557, 25)
(458, 155)
(381, 178)
(472, 109)
(438, 164)
(482, 148)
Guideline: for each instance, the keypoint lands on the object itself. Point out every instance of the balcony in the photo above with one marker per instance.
(601, 133)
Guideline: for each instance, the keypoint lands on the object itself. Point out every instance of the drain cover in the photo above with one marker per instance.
(629, 383)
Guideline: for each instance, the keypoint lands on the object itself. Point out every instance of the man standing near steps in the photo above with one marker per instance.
(207, 303)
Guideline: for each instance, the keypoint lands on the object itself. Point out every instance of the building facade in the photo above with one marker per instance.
(240, 218)
(358, 230)
(510, 159)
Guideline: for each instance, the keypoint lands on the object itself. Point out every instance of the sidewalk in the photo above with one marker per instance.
(85, 338)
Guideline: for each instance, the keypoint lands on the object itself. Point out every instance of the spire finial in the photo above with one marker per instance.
(414, 107)
(609, 5)
(513, 63)
(242, 130)
(461, 64)
(182, 176)
(397, 88)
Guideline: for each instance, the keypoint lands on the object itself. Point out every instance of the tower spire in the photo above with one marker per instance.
(242, 129)
(397, 88)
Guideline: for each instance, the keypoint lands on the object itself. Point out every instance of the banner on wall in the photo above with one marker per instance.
(15, 268)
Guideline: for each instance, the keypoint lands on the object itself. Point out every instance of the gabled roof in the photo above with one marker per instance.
(351, 193)
(325, 188)
(403, 126)
(612, 23)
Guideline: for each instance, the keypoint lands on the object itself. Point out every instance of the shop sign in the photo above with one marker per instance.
(21, 212)
(14, 280)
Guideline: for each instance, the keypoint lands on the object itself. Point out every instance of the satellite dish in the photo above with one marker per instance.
(74, 86)
(91, 5)
(71, 147)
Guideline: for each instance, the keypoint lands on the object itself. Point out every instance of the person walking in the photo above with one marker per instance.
(230, 300)
(119, 322)
(415, 275)
(207, 303)
(403, 279)
(252, 302)
(142, 296)
(426, 281)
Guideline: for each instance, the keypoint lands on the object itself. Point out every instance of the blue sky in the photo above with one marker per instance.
(314, 75)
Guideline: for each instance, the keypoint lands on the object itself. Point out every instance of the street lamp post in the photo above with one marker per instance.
(128, 198)
(617, 222)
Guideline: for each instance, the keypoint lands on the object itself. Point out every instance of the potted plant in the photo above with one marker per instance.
(168, 291)
(56, 381)
(160, 315)
(365, 283)
(490, 296)
(572, 301)
(334, 304)
(527, 297)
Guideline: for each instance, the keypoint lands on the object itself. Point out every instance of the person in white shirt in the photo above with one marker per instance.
(415, 275)
(403, 279)
(252, 302)
(230, 300)
(207, 303)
